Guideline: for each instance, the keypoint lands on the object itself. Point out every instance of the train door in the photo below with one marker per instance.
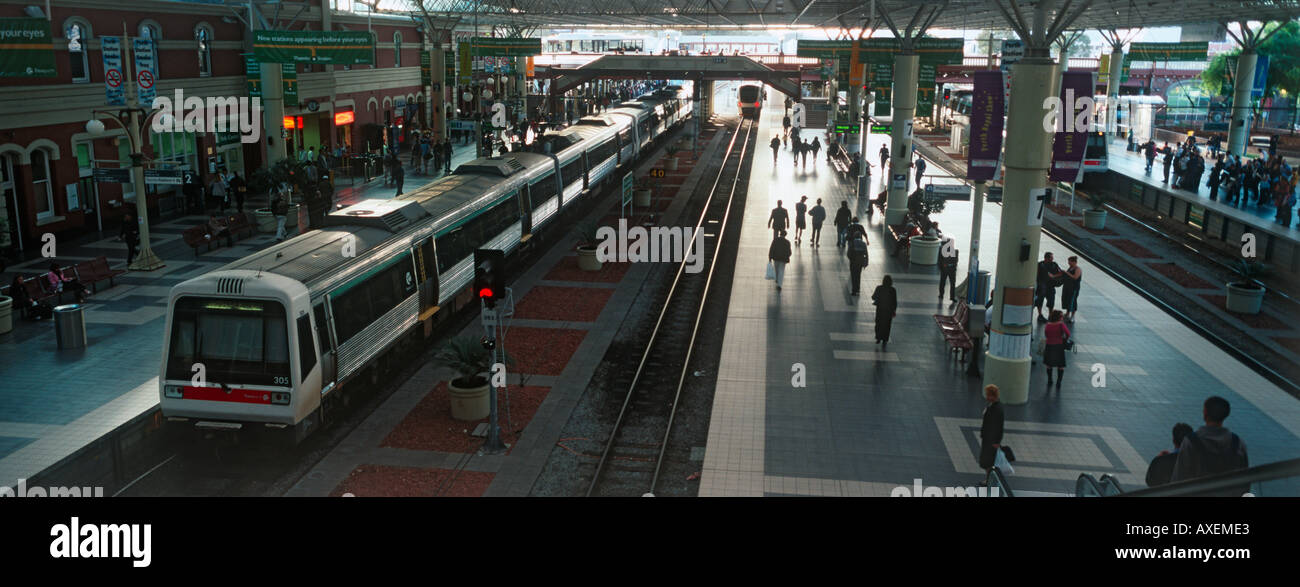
(525, 212)
(325, 339)
(426, 266)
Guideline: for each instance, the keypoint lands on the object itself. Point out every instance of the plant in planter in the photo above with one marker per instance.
(588, 243)
(672, 150)
(924, 250)
(641, 193)
(1095, 216)
(470, 389)
(1246, 293)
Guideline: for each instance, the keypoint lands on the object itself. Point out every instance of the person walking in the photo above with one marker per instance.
(217, 194)
(785, 128)
(816, 148)
(778, 220)
(1162, 467)
(842, 218)
(884, 161)
(1212, 449)
(857, 259)
(130, 234)
(1169, 158)
(800, 209)
(240, 188)
(779, 255)
(776, 146)
(1150, 152)
(1215, 178)
(446, 156)
(886, 300)
(280, 210)
(795, 148)
(818, 216)
(1055, 335)
(991, 428)
(1072, 279)
(804, 149)
(1044, 285)
(920, 170)
(399, 176)
(948, 257)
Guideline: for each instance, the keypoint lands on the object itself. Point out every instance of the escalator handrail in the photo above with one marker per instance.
(997, 479)
(1087, 481)
(1269, 472)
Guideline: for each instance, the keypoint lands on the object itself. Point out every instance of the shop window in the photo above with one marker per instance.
(203, 36)
(41, 184)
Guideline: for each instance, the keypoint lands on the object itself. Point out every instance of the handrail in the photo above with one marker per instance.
(998, 480)
(1087, 486)
(1202, 485)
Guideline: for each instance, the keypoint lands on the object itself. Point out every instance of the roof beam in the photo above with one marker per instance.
(805, 8)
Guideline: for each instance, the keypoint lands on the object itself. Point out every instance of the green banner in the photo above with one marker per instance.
(426, 69)
(498, 47)
(466, 64)
(882, 82)
(289, 75)
(331, 47)
(823, 49)
(253, 72)
(449, 69)
(27, 48)
(1168, 51)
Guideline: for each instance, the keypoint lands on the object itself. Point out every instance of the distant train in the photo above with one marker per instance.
(268, 341)
(750, 100)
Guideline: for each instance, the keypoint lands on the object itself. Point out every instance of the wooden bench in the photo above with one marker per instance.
(953, 329)
(238, 223)
(96, 270)
(902, 242)
(197, 236)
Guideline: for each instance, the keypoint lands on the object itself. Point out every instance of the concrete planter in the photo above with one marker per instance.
(264, 220)
(1245, 298)
(641, 198)
(468, 403)
(291, 220)
(924, 250)
(1094, 219)
(587, 260)
(671, 164)
(6, 314)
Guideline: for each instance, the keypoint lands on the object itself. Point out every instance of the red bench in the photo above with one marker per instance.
(96, 270)
(238, 223)
(954, 329)
(202, 235)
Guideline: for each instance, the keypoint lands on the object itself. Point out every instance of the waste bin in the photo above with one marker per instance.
(6, 314)
(70, 326)
(982, 292)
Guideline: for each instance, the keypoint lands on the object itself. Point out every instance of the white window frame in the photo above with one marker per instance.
(397, 48)
(83, 42)
(204, 48)
(48, 181)
(147, 24)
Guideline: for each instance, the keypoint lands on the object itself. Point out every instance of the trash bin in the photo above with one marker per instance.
(70, 326)
(982, 292)
(6, 314)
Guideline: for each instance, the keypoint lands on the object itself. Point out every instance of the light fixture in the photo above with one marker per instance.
(95, 127)
(467, 96)
(34, 12)
(487, 94)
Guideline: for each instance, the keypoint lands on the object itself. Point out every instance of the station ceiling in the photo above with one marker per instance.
(952, 14)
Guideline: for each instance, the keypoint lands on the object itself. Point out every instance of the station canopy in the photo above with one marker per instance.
(850, 14)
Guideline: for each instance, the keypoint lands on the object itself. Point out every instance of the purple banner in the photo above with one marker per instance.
(1070, 144)
(984, 160)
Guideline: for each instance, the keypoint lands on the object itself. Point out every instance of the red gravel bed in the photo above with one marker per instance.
(386, 481)
(542, 351)
(567, 270)
(429, 425)
(573, 304)
(1131, 248)
(1181, 276)
(1260, 321)
(1064, 210)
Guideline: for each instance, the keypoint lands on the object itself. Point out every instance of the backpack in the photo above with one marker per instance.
(857, 245)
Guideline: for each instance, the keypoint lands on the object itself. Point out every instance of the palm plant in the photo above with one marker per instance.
(1249, 273)
(1098, 199)
(587, 234)
(466, 356)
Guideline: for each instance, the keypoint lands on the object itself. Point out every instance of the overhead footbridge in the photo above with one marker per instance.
(671, 67)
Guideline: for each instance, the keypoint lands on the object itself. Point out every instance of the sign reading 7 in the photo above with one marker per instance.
(1037, 202)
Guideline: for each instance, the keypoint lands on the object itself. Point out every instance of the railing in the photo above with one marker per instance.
(1254, 476)
(1089, 486)
(999, 481)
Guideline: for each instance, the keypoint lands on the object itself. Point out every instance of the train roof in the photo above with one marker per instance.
(314, 254)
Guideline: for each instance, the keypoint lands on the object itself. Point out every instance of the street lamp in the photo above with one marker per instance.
(130, 121)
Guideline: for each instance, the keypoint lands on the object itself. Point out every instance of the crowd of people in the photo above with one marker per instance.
(1264, 181)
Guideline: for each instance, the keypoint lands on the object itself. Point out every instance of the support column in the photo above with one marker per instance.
(906, 71)
(1112, 90)
(438, 98)
(273, 107)
(1028, 153)
(1239, 128)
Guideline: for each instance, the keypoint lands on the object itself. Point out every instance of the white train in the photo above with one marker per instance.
(270, 340)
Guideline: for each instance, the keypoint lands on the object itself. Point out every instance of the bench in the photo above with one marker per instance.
(202, 235)
(96, 270)
(953, 329)
(902, 242)
(238, 223)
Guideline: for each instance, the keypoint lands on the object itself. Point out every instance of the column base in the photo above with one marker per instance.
(1010, 375)
(146, 260)
(895, 215)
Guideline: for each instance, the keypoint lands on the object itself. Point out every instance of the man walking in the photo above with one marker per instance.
(280, 210)
(240, 188)
(1150, 149)
(399, 176)
(991, 428)
(948, 268)
(776, 146)
(800, 209)
(1169, 157)
(446, 156)
(130, 234)
(1212, 449)
(884, 160)
(857, 244)
(842, 218)
(818, 216)
(920, 170)
(779, 220)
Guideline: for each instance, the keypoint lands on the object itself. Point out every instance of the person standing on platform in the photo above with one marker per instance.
(130, 234)
(1055, 335)
(778, 220)
(920, 170)
(1072, 282)
(818, 216)
(240, 188)
(1162, 467)
(857, 259)
(1212, 449)
(948, 257)
(842, 218)
(446, 156)
(991, 428)
(776, 146)
(280, 210)
(779, 255)
(1045, 288)
(800, 209)
(884, 161)
(785, 129)
(399, 176)
(886, 300)
(1150, 152)
(217, 193)
(1169, 158)
(1215, 178)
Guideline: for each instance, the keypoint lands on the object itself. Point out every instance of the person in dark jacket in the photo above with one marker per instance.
(800, 222)
(1215, 178)
(1162, 467)
(857, 258)
(884, 160)
(130, 234)
(818, 216)
(779, 254)
(778, 220)
(816, 148)
(991, 430)
(886, 300)
(446, 156)
(1212, 449)
(1150, 149)
(842, 218)
(399, 175)
(948, 258)
(776, 147)
(1169, 159)
(240, 188)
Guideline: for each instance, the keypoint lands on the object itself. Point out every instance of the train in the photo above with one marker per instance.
(269, 341)
(750, 100)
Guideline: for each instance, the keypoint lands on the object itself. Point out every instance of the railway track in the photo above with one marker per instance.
(633, 458)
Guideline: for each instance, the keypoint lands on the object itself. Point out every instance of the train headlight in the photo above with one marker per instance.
(280, 398)
(173, 391)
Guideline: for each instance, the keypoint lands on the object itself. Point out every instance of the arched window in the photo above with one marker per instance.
(78, 35)
(203, 36)
(150, 29)
(397, 49)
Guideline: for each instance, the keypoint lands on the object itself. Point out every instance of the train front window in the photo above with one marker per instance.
(236, 341)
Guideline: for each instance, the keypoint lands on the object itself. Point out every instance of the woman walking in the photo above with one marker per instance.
(1073, 278)
(800, 209)
(1055, 334)
(779, 254)
(886, 300)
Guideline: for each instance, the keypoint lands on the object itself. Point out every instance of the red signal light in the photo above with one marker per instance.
(485, 293)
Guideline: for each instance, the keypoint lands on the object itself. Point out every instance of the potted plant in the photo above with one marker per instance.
(1246, 293)
(671, 164)
(469, 390)
(924, 249)
(641, 193)
(1094, 217)
(588, 243)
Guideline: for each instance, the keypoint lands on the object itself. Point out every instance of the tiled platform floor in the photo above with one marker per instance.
(868, 421)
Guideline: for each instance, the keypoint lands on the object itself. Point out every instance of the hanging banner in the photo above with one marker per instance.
(466, 64)
(499, 47)
(253, 71)
(933, 53)
(882, 82)
(336, 47)
(426, 69)
(984, 161)
(823, 49)
(1070, 142)
(26, 48)
(1261, 77)
(145, 78)
(114, 78)
(289, 77)
(449, 68)
(1103, 69)
(1159, 52)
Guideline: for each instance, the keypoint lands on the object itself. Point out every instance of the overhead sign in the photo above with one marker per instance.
(112, 175)
(883, 129)
(145, 69)
(466, 67)
(947, 192)
(426, 69)
(1191, 51)
(499, 47)
(994, 194)
(1261, 77)
(986, 122)
(253, 71)
(336, 47)
(26, 48)
(289, 81)
(114, 78)
(163, 177)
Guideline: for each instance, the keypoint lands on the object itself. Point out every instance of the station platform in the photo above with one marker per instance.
(869, 420)
(55, 402)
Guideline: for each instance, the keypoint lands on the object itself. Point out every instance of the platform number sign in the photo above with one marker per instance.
(498, 116)
(657, 172)
(1037, 202)
(798, 117)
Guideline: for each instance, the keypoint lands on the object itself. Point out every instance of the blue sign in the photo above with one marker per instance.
(1261, 77)
(144, 71)
(114, 76)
